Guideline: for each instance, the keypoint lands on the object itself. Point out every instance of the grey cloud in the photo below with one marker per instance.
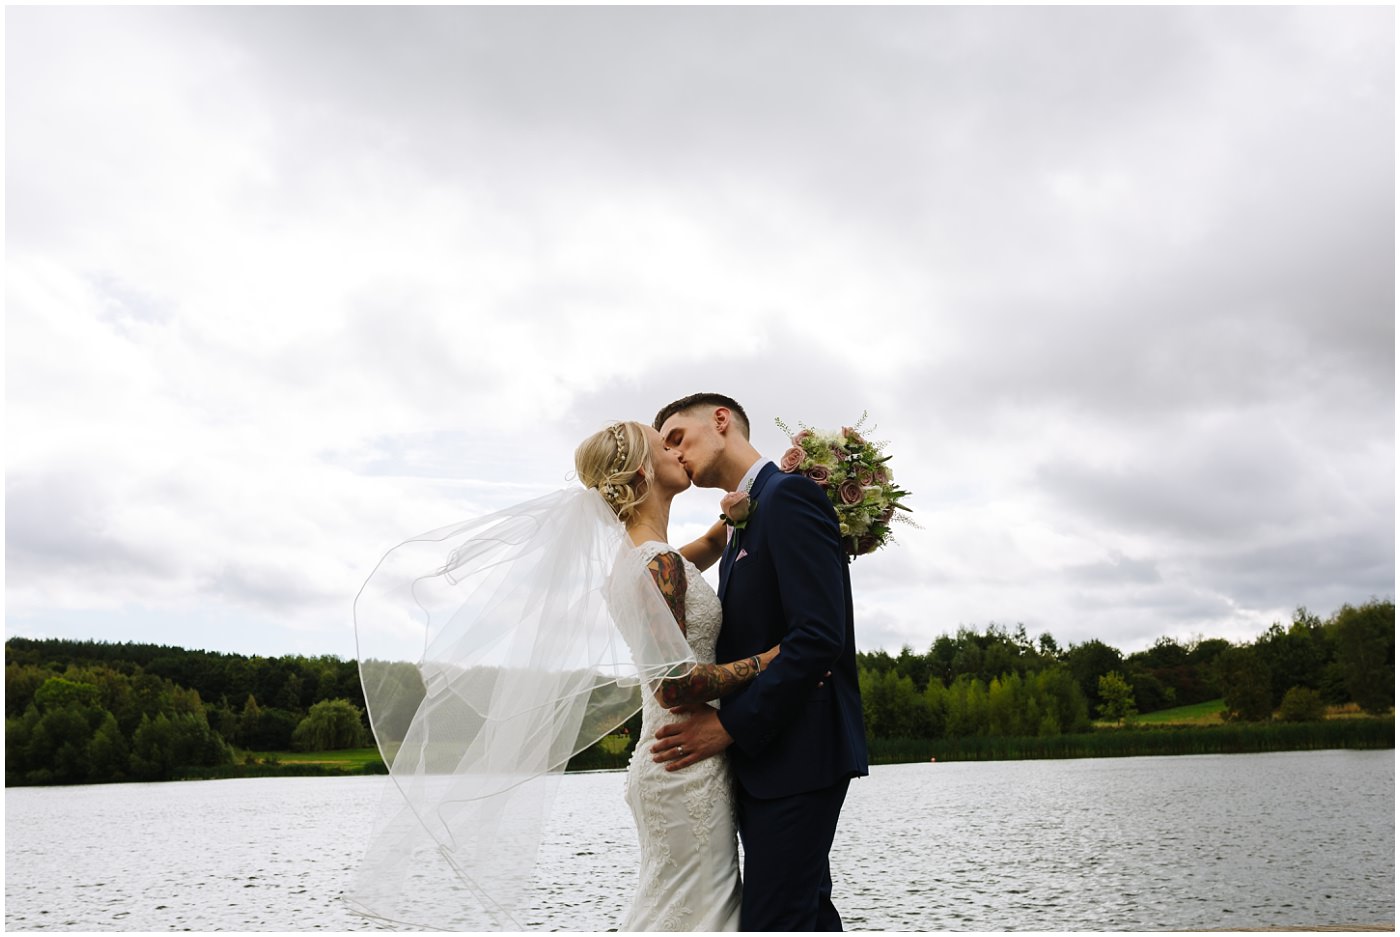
(1237, 478)
(932, 131)
(270, 587)
(1212, 321)
(58, 527)
(877, 629)
(1119, 569)
(1321, 571)
(791, 377)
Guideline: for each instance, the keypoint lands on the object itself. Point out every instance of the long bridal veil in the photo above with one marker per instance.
(490, 652)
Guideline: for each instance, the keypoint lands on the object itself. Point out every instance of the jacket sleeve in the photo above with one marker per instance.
(805, 542)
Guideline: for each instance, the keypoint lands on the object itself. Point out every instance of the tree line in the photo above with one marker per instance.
(1000, 682)
(89, 711)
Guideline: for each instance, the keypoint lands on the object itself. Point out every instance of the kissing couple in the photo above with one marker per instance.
(751, 712)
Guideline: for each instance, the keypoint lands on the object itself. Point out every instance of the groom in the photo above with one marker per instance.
(797, 734)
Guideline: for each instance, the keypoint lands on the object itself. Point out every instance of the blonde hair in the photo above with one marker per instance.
(617, 462)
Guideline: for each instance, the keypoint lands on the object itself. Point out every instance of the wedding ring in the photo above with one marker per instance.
(680, 750)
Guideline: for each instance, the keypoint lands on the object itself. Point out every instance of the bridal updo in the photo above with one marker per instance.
(616, 461)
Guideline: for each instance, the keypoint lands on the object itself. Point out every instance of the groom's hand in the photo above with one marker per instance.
(680, 744)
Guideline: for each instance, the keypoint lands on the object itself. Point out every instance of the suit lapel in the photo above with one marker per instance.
(761, 479)
(735, 544)
(726, 561)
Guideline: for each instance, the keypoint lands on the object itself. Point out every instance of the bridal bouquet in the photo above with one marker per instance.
(857, 478)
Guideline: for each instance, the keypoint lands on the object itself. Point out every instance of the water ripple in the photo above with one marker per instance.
(1182, 843)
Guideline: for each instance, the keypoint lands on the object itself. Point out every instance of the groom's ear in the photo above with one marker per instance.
(723, 419)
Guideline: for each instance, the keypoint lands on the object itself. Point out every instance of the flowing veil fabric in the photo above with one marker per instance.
(490, 652)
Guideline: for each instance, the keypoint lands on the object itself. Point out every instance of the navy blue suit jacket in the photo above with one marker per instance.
(785, 578)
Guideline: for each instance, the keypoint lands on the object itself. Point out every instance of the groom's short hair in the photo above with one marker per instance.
(741, 419)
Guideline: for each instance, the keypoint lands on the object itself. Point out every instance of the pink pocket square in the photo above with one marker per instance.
(742, 553)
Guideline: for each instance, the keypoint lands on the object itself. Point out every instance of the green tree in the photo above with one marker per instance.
(1245, 682)
(1089, 661)
(1061, 701)
(914, 666)
(165, 744)
(56, 693)
(108, 754)
(1295, 656)
(1117, 697)
(1366, 652)
(1149, 693)
(893, 708)
(1010, 708)
(266, 729)
(21, 681)
(967, 707)
(1302, 704)
(936, 709)
(940, 656)
(330, 725)
(153, 749)
(19, 731)
(1199, 680)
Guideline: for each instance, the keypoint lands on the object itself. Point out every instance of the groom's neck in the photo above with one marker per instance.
(737, 462)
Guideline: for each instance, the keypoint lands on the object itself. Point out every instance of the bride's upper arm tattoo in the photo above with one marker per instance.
(669, 572)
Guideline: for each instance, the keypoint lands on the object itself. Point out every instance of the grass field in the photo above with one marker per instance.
(615, 744)
(1212, 713)
(349, 759)
(1209, 713)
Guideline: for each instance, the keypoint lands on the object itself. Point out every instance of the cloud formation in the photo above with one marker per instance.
(287, 285)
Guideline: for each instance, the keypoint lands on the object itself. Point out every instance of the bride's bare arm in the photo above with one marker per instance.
(703, 682)
(705, 550)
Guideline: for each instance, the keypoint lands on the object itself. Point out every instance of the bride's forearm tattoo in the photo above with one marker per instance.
(705, 682)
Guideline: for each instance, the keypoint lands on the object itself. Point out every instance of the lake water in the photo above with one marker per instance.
(1169, 843)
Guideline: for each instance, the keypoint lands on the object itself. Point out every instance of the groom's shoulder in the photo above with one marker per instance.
(795, 487)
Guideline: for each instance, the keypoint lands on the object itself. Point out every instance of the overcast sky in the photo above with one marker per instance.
(287, 286)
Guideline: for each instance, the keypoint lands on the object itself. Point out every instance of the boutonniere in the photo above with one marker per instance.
(736, 508)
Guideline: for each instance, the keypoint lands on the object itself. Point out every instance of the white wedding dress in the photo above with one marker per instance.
(685, 819)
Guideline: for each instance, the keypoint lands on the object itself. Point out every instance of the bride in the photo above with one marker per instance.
(685, 819)
(489, 656)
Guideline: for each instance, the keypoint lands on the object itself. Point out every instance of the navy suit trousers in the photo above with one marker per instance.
(787, 876)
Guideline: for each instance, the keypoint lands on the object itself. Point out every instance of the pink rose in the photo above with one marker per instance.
(792, 459)
(819, 474)
(735, 506)
(851, 492)
(852, 436)
(797, 440)
(866, 477)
